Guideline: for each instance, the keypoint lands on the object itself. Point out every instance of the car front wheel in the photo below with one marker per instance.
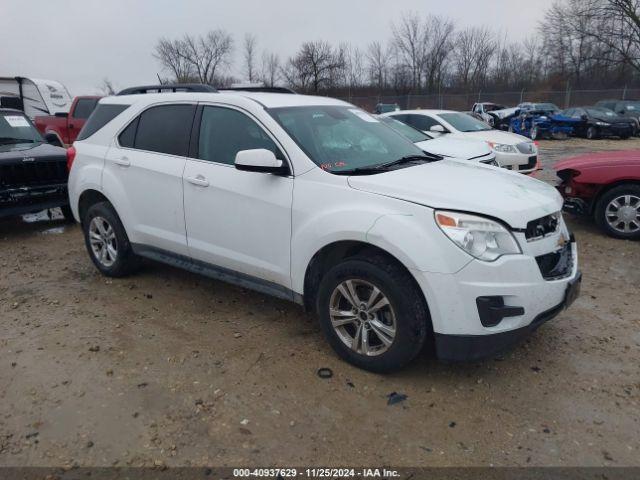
(618, 212)
(107, 241)
(592, 133)
(372, 313)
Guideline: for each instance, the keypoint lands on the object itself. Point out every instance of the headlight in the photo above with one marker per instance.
(603, 124)
(501, 147)
(480, 237)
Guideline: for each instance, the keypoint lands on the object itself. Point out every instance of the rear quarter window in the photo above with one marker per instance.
(84, 107)
(102, 115)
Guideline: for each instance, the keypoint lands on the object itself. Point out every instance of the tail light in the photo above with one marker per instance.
(71, 156)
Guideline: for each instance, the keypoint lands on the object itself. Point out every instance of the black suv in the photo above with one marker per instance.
(33, 174)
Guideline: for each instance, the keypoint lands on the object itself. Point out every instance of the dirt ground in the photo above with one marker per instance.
(168, 368)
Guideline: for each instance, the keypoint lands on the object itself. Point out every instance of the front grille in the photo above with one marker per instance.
(543, 226)
(527, 148)
(31, 174)
(556, 265)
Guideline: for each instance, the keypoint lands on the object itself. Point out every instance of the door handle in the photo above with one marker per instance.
(122, 161)
(199, 181)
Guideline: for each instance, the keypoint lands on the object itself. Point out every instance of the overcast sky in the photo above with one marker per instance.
(79, 42)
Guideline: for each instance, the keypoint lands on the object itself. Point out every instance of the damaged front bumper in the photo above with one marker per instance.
(21, 200)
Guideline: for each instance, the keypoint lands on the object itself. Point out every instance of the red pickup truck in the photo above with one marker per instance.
(62, 128)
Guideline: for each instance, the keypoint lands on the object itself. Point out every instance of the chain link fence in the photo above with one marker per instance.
(463, 102)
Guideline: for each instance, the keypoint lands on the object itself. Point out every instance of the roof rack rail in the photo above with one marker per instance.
(260, 89)
(172, 87)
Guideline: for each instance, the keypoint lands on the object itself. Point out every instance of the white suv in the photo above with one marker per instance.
(313, 200)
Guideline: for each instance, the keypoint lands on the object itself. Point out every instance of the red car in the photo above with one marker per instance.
(605, 185)
(62, 129)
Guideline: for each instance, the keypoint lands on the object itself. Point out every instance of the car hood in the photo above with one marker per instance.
(616, 119)
(40, 151)
(496, 136)
(449, 184)
(464, 148)
(504, 112)
(600, 160)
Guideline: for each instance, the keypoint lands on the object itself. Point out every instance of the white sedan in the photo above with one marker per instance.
(445, 146)
(513, 151)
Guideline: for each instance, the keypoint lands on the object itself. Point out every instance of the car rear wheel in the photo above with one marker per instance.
(107, 241)
(592, 133)
(618, 212)
(372, 313)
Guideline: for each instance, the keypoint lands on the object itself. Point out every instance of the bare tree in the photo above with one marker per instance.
(474, 49)
(437, 42)
(107, 88)
(270, 74)
(171, 54)
(314, 66)
(249, 57)
(200, 58)
(378, 59)
(408, 43)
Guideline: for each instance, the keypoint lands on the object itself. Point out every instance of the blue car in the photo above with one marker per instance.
(541, 120)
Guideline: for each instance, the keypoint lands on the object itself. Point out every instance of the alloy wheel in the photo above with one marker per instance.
(102, 239)
(623, 214)
(362, 317)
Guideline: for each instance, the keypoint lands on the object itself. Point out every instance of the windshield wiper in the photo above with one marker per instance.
(384, 167)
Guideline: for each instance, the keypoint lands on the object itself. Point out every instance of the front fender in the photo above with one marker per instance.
(405, 230)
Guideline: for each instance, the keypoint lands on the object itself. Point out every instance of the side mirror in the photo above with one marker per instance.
(438, 129)
(260, 160)
(584, 117)
(62, 114)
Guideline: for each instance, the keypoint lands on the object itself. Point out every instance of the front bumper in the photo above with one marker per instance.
(528, 287)
(518, 162)
(616, 131)
(465, 348)
(19, 201)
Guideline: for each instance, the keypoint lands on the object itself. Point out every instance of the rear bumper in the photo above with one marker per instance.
(465, 348)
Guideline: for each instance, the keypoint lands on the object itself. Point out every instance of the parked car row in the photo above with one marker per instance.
(546, 120)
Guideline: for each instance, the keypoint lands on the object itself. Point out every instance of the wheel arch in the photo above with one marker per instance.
(330, 255)
(607, 188)
(88, 198)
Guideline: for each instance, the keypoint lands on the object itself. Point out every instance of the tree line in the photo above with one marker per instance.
(584, 43)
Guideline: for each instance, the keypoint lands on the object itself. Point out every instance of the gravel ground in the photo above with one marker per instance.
(168, 368)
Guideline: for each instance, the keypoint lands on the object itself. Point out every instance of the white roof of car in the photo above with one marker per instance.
(422, 111)
(268, 100)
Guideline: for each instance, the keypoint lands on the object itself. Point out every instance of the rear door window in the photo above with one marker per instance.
(165, 129)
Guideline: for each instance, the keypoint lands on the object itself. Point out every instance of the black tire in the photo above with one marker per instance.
(592, 133)
(126, 262)
(601, 211)
(67, 214)
(412, 323)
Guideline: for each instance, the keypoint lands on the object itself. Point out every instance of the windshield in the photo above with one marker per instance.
(405, 130)
(341, 138)
(598, 112)
(546, 107)
(632, 106)
(464, 123)
(16, 128)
